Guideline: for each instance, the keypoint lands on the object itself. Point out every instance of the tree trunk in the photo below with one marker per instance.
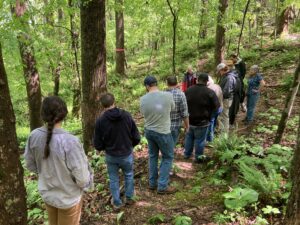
(202, 28)
(231, 18)
(77, 81)
(93, 57)
(288, 105)
(32, 80)
(12, 192)
(31, 74)
(220, 33)
(120, 51)
(175, 19)
(282, 26)
(292, 216)
(243, 24)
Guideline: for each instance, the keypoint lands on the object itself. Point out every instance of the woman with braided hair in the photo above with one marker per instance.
(57, 157)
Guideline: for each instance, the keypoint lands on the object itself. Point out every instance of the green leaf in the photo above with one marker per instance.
(239, 198)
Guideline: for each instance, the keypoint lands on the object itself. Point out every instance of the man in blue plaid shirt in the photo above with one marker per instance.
(180, 113)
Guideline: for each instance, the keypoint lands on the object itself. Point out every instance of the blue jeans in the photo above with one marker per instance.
(212, 125)
(164, 143)
(251, 104)
(175, 134)
(196, 136)
(113, 166)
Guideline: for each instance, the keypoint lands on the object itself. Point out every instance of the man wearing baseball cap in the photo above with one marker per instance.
(227, 85)
(156, 107)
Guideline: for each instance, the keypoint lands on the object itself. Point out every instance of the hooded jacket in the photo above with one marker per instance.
(228, 84)
(116, 133)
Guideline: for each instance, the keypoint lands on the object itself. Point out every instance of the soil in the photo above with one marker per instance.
(196, 197)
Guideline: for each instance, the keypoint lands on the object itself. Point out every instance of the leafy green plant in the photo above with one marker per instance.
(270, 210)
(182, 220)
(267, 185)
(240, 197)
(158, 218)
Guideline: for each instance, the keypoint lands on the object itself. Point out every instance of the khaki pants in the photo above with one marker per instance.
(70, 216)
(224, 117)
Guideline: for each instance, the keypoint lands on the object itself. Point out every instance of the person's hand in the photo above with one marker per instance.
(186, 129)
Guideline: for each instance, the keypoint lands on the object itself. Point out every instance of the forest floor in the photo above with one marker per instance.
(196, 197)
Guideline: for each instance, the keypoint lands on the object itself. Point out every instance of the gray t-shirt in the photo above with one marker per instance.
(156, 107)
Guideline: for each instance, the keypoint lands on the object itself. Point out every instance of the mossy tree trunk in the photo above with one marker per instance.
(93, 58)
(12, 191)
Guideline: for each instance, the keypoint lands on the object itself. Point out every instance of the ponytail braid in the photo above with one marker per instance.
(54, 110)
(49, 136)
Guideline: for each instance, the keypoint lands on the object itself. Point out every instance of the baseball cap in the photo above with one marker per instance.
(221, 66)
(203, 77)
(149, 80)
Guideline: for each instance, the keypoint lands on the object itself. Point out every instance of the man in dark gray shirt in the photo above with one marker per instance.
(156, 107)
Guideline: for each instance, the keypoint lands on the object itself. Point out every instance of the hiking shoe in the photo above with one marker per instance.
(129, 201)
(168, 190)
(115, 207)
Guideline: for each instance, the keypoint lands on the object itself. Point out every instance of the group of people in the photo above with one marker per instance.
(62, 166)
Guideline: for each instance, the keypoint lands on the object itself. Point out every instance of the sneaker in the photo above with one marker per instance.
(168, 190)
(115, 207)
(129, 201)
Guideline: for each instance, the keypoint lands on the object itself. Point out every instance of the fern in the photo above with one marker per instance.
(267, 185)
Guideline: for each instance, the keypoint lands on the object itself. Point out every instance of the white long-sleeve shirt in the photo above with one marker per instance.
(65, 173)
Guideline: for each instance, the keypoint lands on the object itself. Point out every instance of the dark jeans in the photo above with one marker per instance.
(251, 104)
(196, 136)
(212, 125)
(165, 144)
(113, 166)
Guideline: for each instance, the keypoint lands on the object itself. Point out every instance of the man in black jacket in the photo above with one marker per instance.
(117, 134)
(202, 103)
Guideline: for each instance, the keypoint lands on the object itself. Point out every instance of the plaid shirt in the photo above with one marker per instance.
(181, 109)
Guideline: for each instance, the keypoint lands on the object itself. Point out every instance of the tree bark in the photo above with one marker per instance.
(12, 192)
(292, 216)
(288, 105)
(202, 27)
(93, 57)
(32, 80)
(243, 24)
(31, 74)
(174, 24)
(220, 33)
(77, 80)
(282, 26)
(120, 49)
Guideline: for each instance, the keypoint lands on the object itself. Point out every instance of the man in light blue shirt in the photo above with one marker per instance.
(156, 106)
